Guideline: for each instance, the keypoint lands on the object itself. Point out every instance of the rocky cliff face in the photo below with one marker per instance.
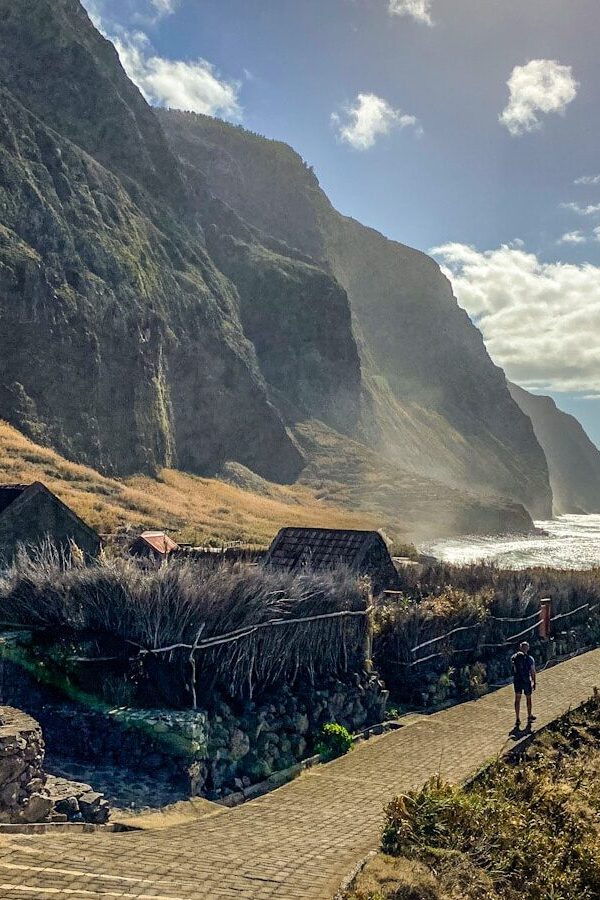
(123, 344)
(433, 402)
(573, 460)
(177, 292)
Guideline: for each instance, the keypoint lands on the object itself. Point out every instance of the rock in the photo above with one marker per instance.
(301, 724)
(36, 785)
(298, 745)
(9, 794)
(70, 807)
(240, 744)
(36, 809)
(94, 808)
(12, 768)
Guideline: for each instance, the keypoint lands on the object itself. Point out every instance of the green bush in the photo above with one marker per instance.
(334, 741)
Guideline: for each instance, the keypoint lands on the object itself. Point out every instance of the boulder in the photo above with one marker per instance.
(36, 809)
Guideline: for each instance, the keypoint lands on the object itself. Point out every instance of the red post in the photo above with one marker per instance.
(545, 616)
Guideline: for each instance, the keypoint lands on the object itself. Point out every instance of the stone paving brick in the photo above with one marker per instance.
(297, 842)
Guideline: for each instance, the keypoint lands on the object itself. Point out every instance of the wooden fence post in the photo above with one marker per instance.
(368, 645)
(545, 615)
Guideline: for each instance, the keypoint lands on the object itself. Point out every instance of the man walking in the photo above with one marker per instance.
(524, 679)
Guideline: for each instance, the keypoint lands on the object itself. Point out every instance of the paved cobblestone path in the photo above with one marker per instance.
(297, 842)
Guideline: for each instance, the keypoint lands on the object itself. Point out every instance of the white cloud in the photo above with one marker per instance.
(144, 12)
(591, 210)
(194, 86)
(540, 321)
(151, 12)
(597, 233)
(588, 179)
(369, 118)
(93, 10)
(541, 86)
(420, 10)
(572, 237)
(164, 7)
(191, 85)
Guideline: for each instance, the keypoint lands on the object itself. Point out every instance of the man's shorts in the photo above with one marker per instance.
(523, 687)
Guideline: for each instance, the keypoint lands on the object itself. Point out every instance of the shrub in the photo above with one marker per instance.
(334, 741)
(439, 598)
(529, 824)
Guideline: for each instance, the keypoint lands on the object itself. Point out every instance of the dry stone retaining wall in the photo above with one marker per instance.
(27, 794)
(211, 753)
(22, 779)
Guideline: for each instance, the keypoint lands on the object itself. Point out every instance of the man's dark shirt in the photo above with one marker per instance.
(523, 666)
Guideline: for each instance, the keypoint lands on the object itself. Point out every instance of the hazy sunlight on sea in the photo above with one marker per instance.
(572, 542)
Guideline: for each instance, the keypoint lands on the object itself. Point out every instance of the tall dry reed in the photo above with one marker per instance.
(150, 608)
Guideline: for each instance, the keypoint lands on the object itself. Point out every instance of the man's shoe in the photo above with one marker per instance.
(531, 718)
(518, 724)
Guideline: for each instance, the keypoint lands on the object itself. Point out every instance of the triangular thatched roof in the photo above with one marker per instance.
(324, 548)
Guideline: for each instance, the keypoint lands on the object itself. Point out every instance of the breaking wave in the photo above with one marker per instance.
(568, 542)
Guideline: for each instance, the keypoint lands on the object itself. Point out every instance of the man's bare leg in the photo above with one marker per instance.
(518, 708)
(529, 707)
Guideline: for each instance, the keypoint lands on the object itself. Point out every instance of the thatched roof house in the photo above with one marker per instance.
(153, 545)
(31, 514)
(363, 552)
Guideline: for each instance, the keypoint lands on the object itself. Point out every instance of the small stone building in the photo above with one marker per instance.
(155, 545)
(363, 552)
(31, 514)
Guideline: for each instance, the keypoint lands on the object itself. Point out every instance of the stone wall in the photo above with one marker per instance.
(209, 753)
(22, 780)
(27, 794)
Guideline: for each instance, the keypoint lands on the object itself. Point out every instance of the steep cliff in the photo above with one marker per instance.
(433, 402)
(573, 460)
(194, 300)
(123, 344)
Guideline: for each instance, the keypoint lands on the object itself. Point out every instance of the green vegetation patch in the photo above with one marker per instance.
(334, 741)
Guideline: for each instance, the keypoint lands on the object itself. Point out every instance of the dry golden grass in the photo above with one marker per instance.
(191, 508)
(400, 879)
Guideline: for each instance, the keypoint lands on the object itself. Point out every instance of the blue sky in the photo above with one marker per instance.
(463, 127)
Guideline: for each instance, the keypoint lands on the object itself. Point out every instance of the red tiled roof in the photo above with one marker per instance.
(159, 541)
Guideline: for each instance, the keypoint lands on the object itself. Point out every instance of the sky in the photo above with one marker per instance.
(466, 128)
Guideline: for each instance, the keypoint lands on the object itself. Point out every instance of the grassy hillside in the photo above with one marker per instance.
(191, 508)
(348, 474)
(242, 506)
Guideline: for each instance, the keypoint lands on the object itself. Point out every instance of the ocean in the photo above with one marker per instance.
(570, 542)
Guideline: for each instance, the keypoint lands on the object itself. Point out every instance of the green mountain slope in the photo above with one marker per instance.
(433, 403)
(123, 344)
(573, 460)
(196, 306)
